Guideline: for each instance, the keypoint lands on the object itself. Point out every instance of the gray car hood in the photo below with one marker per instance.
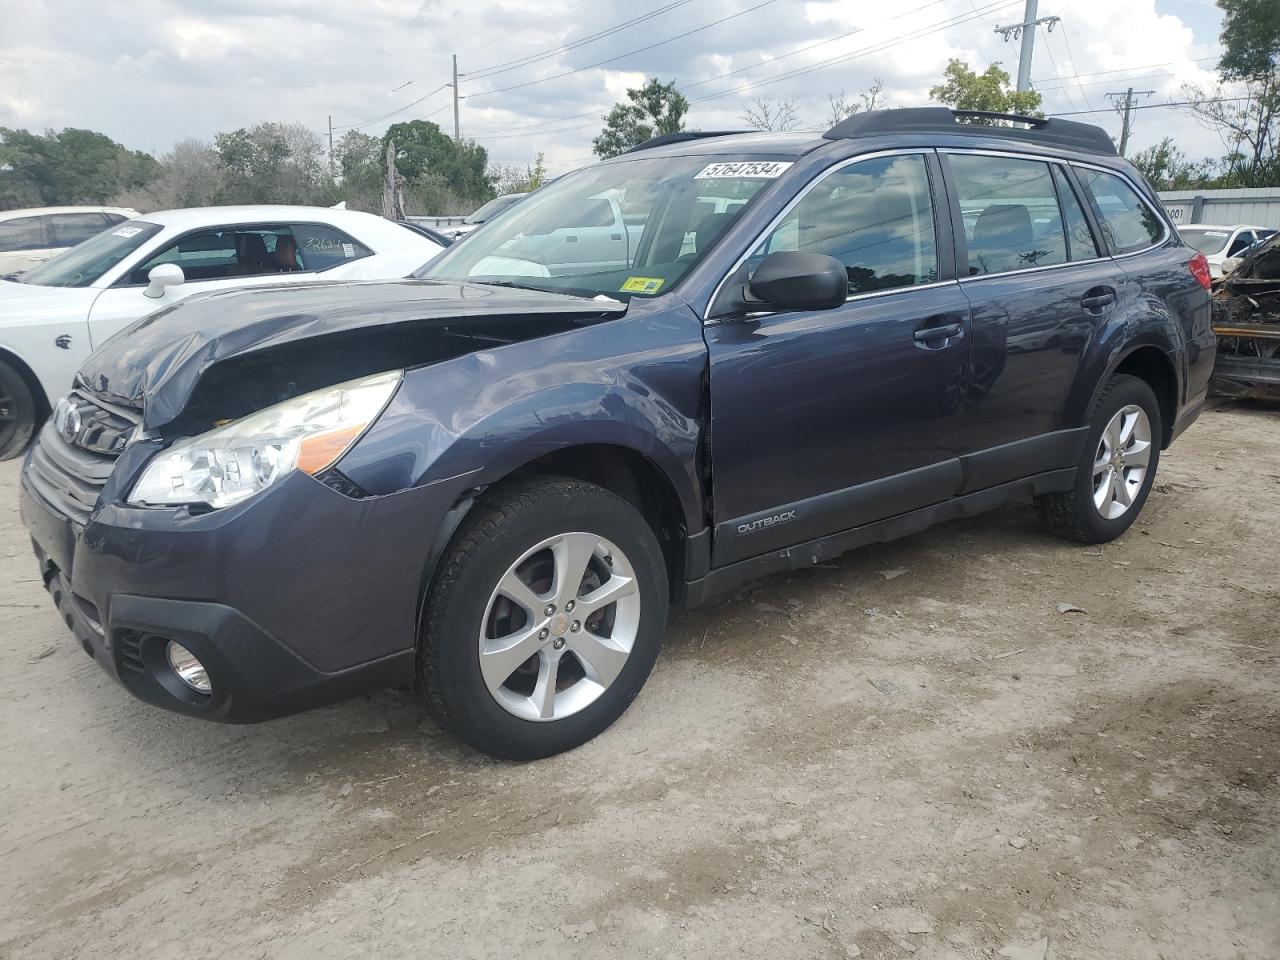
(155, 364)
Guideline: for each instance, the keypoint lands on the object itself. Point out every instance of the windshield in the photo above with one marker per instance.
(493, 208)
(83, 264)
(1207, 242)
(619, 229)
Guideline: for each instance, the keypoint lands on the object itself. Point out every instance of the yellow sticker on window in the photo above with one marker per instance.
(648, 285)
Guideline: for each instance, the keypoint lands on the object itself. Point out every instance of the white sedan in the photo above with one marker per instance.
(1222, 243)
(54, 316)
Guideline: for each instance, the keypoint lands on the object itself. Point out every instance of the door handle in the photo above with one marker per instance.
(1098, 299)
(571, 239)
(944, 332)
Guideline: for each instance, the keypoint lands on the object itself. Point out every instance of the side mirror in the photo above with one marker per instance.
(161, 278)
(799, 281)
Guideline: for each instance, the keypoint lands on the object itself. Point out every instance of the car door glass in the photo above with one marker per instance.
(1243, 241)
(1080, 242)
(1011, 216)
(321, 247)
(68, 229)
(226, 252)
(21, 233)
(1128, 224)
(875, 217)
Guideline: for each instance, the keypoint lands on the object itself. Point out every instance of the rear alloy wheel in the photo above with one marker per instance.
(545, 620)
(17, 412)
(1121, 461)
(1116, 469)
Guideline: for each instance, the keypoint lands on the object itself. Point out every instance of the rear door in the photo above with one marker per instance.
(1040, 287)
(826, 420)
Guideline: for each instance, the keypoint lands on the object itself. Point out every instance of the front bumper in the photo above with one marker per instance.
(298, 597)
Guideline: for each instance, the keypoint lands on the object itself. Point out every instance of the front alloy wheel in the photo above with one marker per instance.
(545, 618)
(559, 626)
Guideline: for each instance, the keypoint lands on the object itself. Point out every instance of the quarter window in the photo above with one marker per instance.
(1128, 224)
(1011, 216)
(21, 233)
(321, 247)
(875, 217)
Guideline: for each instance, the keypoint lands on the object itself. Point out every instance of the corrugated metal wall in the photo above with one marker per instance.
(1256, 206)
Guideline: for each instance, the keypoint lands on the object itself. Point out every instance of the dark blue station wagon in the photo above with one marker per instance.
(714, 357)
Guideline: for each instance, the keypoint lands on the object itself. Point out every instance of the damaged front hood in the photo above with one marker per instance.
(157, 363)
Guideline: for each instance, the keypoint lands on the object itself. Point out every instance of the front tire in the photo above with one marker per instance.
(545, 620)
(17, 412)
(1117, 467)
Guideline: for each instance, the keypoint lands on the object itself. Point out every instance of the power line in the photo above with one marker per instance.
(801, 71)
(1071, 58)
(1144, 66)
(392, 113)
(1154, 106)
(623, 56)
(527, 26)
(508, 65)
(720, 76)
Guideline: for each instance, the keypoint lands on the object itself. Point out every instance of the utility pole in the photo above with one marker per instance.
(1027, 31)
(331, 172)
(1124, 105)
(457, 131)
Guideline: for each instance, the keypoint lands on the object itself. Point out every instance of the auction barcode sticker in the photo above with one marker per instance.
(762, 169)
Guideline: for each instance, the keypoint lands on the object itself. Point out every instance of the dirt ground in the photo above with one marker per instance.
(909, 752)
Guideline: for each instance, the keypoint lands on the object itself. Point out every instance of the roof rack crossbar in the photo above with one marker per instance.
(663, 139)
(1050, 131)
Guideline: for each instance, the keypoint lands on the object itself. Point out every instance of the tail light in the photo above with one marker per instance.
(1199, 268)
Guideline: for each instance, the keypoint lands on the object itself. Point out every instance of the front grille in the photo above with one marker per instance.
(70, 473)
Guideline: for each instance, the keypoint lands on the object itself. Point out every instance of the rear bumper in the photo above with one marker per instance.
(296, 598)
(1246, 377)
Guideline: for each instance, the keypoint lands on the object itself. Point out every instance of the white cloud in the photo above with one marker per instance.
(151, 72)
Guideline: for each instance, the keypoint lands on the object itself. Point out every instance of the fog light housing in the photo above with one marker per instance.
(188, 667)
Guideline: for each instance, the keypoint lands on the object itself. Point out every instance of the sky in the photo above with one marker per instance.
(539, 78)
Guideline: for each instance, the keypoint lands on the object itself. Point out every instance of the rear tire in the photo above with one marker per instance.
(17, 412)
(1116, 471)
(524, 589)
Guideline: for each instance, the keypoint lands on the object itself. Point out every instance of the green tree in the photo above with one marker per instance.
(273, 163)
(67, 167)
(649, 111)
(442, 175)
(1250, 128)
(964, 89)
(1168, 168)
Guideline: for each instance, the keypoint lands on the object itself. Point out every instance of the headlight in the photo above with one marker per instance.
(233, 462)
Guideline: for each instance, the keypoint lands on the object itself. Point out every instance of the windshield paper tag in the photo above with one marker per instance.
(763, 169)
(127, 232)
(648, 285)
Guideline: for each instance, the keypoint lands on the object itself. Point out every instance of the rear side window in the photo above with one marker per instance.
(68, 229)
(1010, 212)
(1080, 242)
(22, 233)
(1128, 224)
(321, 247)
(875, 217)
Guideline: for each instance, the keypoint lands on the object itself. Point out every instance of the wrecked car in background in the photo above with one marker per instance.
(1246, 318)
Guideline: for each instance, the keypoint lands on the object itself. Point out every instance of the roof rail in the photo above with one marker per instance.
(663, 139)
(1044, 130)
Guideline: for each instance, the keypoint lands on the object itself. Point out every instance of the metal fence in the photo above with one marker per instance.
(1255, 206)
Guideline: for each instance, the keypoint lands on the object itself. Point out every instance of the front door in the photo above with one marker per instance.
(825, 420)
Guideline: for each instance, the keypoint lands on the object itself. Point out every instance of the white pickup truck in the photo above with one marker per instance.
(596, 237)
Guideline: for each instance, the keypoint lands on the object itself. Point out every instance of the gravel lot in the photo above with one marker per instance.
(910, 752)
